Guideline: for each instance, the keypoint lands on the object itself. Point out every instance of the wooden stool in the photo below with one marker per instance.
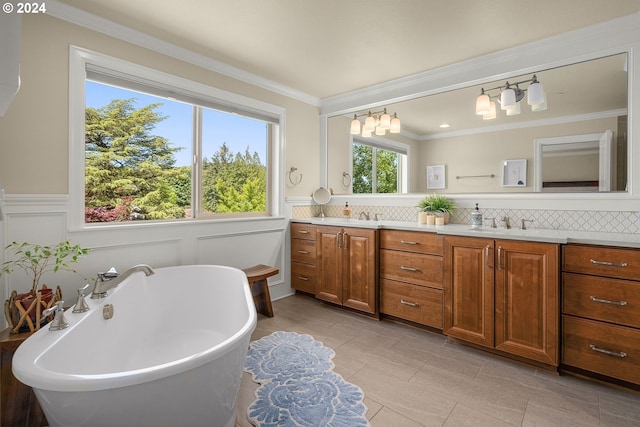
(257, 277)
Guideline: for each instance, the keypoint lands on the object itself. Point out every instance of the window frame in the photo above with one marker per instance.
(377, 143)
(79, 58)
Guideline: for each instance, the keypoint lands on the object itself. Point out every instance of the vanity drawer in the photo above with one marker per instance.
(600, 347)
(600, 261)
(610, 300)
(303, 251)
(303, 231)
(419, 269)
(303, 277)
(410, 302)
(425, 243)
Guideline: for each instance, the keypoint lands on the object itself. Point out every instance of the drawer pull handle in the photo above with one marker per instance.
(606, 301)
(609, 352)
(409, 303)
(302, 251)
(402, 267)
(304, 278)
(610, 264)
(408, 242)
(303, 231)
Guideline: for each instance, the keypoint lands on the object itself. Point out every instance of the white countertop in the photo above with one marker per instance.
(532, 234)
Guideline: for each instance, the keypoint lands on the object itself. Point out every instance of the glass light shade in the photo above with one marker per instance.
(483, 104)
(395, 125)
(366, 133)
(380, 131)
(514, 111)
(355, 126)
(540, 106)
(535, 93)
(369, 124)
(507, 99)
(492, 112)
(385, 121)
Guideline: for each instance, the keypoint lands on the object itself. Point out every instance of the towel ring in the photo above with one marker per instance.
(346, 179)
(290, 173)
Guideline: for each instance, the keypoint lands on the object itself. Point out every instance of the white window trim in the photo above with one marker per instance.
(78, 59)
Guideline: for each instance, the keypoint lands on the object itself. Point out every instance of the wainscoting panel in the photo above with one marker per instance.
(237, 243)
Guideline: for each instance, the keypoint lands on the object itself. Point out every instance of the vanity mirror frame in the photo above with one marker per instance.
(601, 40)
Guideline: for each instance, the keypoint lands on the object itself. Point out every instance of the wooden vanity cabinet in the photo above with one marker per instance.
(347, 267)
(503, 294)
(303, 257)
(601, 310)
(411, 276)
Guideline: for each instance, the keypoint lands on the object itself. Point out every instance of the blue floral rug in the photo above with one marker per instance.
(297, 385)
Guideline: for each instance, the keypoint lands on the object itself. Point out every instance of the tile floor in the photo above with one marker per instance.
(411, 377)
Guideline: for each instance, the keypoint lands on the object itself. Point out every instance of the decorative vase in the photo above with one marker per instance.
(444, 215)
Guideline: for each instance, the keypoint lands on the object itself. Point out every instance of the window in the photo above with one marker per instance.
(379, 166)
(158, 147)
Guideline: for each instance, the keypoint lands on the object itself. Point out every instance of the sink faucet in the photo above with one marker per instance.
(111, 279)
(507, 224)
(524, 223)
(365, 215)
(493, 222)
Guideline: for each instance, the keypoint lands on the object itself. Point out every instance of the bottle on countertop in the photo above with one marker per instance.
(346, 212)
(476, 218)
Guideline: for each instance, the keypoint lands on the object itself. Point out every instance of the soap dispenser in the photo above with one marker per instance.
(476, 218)
(346, 212)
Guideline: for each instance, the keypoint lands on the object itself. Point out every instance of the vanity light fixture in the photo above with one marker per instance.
(378, 122)
(509, 96)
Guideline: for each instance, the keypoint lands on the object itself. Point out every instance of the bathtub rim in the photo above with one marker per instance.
(27, 370)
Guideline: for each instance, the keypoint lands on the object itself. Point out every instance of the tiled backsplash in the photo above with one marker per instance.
(576, 220)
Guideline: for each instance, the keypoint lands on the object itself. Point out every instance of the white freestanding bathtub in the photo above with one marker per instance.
(171, 355)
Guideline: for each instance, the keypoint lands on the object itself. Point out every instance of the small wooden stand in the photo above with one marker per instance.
(18, 403)
(257, 277)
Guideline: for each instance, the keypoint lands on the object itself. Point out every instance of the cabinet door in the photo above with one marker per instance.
(330, 253)
(359, 269)
(468, 289)
(526, 304)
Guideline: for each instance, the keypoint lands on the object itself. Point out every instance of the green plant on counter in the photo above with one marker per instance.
(36, 260)
(437, 203)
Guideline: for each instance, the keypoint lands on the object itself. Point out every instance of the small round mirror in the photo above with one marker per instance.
(321, 196)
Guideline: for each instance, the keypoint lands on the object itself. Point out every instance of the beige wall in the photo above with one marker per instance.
(34, 133)
(483, 154)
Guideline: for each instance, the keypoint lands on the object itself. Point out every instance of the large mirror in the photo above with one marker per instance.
(582, 99)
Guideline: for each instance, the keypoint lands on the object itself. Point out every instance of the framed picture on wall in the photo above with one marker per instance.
(435, 177)
(514, 173)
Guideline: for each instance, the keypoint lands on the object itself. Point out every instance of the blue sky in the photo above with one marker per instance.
(238, 132)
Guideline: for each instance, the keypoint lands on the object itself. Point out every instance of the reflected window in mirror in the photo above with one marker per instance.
(379, 166)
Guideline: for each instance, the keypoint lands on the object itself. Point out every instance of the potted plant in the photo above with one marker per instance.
(36, 260)
(439, 205)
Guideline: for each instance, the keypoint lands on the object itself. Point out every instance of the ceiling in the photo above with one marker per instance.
(325, 48)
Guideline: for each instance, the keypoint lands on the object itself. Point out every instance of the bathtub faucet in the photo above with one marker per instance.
(111, 279)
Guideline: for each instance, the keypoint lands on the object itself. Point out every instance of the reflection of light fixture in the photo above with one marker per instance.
(378, 122)
(509, 96)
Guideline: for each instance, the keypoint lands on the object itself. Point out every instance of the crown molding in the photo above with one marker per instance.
(528, 124)
(96, 23)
